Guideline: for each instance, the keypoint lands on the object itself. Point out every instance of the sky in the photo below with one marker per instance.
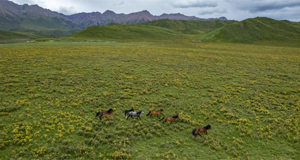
(231, 9)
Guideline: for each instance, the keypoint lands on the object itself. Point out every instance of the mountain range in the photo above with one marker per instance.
(33, 18)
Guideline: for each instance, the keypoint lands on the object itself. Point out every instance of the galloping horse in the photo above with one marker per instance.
(155, 112)
(105, 113)
(172, 119)
(136, 114)
(197, 131)
(127, 111)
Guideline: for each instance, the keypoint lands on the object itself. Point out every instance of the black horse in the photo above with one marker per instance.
(127, 111)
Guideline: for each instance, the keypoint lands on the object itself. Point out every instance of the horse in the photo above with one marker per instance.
(127, 111)
(136, 114)
(155, 112)
(105, 113)
(172, 119)
(197, 131)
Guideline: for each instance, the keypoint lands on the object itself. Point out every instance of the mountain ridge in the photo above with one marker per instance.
(107, 17)
(12, 17)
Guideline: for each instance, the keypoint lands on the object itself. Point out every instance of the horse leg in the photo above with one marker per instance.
(139, 117)
(100, 117)
(199, 134)
(196, 134)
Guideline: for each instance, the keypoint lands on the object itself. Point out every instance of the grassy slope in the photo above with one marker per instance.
(189, 27)
(127, 32)
(10, 37)
(50, 94)
(257, 30)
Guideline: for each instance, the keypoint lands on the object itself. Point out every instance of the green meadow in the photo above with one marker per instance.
(51, 89)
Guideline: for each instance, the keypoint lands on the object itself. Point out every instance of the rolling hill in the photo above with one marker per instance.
(255, 30)
(189, 27)
(260, 29)
(10, 37)
(125, 32)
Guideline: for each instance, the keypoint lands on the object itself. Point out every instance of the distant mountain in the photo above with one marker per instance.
(32, 18)
(96, 18)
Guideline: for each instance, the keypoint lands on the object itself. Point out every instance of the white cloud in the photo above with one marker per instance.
(194, 4)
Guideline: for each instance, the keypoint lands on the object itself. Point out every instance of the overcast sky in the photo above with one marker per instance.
(232, 9)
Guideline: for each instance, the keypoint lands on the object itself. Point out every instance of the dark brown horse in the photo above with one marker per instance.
(155, 112)
(105, 114)
(172, 119)
(197, 131)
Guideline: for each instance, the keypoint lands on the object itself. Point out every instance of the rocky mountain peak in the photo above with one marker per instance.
(109, 13)
(88, 19)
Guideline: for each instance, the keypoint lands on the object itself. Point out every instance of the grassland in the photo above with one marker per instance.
(51, 91)
(13, 37)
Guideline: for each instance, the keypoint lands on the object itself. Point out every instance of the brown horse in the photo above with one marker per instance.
(197, 131)
(172, 119)
(105, 114)
(155, 112)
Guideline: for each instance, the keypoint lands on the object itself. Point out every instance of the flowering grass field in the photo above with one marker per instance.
(50, 93)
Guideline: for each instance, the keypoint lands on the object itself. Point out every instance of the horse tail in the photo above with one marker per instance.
(194, 131)
(97, 114)
(162, 119)
(149, 113)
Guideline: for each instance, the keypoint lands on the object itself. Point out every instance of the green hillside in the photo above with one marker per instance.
(258, 29)
(133, 31)
(10, 37)
(189, 27)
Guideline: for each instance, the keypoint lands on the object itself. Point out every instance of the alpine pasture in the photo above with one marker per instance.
(51, 91)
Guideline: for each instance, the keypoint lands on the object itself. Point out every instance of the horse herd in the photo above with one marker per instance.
(131, 113)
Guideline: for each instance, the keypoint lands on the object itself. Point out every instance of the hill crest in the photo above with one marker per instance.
(256, 30)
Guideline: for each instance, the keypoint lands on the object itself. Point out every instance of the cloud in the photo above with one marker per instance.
(194, 4)
(256, 6)
(273, 6)
(66, 10)
(214, 11)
